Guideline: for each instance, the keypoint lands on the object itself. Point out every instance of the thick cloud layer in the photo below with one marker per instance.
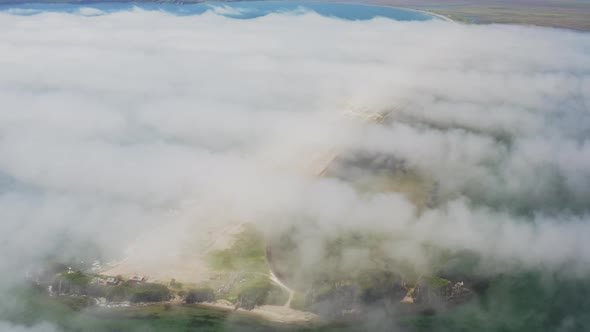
(144, 126)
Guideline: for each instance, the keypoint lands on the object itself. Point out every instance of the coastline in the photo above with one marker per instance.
(273, 313)
(442, 17)
(212, 2)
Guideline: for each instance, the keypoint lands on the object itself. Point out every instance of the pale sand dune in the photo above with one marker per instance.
(284, 314)
(279, 314)
(192, 272)
(189, 266)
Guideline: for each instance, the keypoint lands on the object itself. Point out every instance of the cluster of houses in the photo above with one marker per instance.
(114, 281)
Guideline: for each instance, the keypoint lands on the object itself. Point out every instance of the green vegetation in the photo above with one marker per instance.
(246, 272)
(435, 283)
(333, 300)
(246, 253)
(200, 295)
(371, 260)
(76, 303)
(376, 285)
(72, 282)
(522, 302)
(253, 293)
(76, 278)
(138, 292)
(276, 296)
(259, 291)
(568, 14)
(357, 271)
(79, 283)
(175, 284)
(299, 301)
(34, 307)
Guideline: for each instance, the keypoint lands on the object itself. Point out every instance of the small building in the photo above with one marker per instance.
(138, 278)
(112, 281)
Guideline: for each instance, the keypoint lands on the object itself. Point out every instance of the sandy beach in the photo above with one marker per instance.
(279, 314)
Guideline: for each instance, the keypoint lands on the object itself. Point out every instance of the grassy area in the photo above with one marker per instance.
(76, 303)
(384, 176)
(140, 292)
(299, 301)
(246, 272)
(36, 307)
(204, 294)
(435, 283)
(522, 302)
(571, 14)
(259, 291)
(246, 253)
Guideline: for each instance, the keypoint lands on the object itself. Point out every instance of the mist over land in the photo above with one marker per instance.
(140, 131)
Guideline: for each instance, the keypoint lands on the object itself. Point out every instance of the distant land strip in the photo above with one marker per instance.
(567, 14)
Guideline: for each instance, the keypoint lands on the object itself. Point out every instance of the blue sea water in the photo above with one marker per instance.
(239, 10)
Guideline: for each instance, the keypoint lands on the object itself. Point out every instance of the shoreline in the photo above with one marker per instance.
(271, 313)
(442, 17)
(275, 314)
(90, 3)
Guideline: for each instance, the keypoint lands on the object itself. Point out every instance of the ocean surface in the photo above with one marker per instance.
(238, 10)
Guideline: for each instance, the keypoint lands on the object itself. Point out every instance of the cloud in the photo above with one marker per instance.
(44, 327)
(108, 124)
(23, 11)
(89, 11)
(225, 10)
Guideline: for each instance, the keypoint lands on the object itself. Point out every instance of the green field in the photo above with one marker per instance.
(67, 315)
(525, 302)
(570, 14)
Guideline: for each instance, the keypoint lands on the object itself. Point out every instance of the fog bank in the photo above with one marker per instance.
(145, 129)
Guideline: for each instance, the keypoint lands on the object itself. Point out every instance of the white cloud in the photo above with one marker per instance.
(228, 10)
(89, 11)
(44, 327)
(106, 124)
(22, 11)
